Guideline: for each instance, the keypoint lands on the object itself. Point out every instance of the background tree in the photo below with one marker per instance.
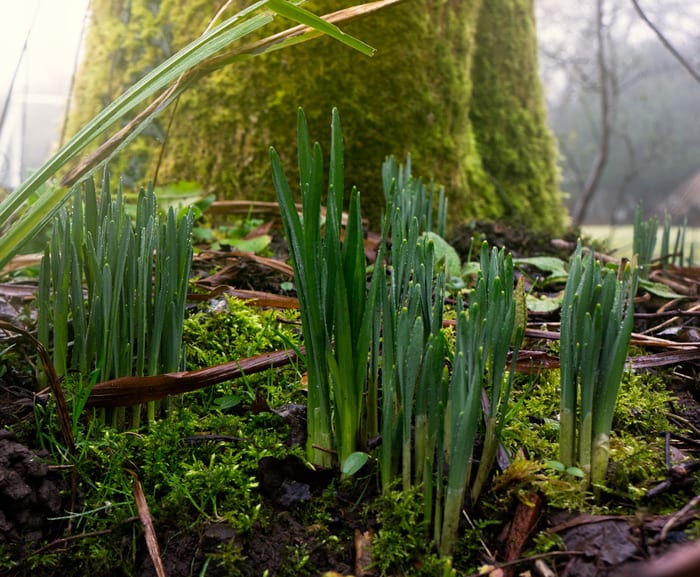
(516, 148)
(490, 147)
(620, 103)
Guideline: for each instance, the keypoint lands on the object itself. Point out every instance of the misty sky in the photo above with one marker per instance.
(51, 30)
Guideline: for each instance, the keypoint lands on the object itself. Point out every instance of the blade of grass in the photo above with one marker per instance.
(568, 354)
(307, 18)
(304, 242)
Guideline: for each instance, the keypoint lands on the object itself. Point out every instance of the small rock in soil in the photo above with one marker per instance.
(27, 495)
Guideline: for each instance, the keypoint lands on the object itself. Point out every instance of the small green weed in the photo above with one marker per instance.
(470, 546)
(229, 557)
(401, 546)
(234, 235)
(297, 562)
(544, 542)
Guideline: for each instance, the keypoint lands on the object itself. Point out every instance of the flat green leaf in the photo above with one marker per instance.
(575, 472)
(256, 245)
(471, 268)
(444, 252)
(543, 303)
(658, 289)
(354, 462)
(227, 402)
(554, 266)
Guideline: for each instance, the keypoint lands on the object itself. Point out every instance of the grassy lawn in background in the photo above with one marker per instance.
(619, 238)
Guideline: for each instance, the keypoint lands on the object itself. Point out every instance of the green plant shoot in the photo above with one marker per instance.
(596, 325)
(336, 309)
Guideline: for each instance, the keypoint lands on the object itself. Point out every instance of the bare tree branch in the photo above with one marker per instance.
(607, 91)
(573, 165)
(677, 55)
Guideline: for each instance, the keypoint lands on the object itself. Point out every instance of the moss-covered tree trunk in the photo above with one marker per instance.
(507, 112)
(414, 96)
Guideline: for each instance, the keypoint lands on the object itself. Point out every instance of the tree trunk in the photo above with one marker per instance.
(518, 151)
(492, 152)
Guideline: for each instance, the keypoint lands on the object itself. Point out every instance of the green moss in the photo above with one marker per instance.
(400, 546)
(210, 480)
(188, 482)
(236, 331)
(534, 424)
(642, 404)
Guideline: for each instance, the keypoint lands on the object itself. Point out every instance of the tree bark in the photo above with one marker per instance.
(414, 95)
(517, 149)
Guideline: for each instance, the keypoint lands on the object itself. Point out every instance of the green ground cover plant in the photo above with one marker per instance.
(119, 283)
(187, 484)
(237, 330)
(596, 324)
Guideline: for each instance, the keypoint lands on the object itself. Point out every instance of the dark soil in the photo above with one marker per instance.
(29, 493)
(265, 548)
(518, 240)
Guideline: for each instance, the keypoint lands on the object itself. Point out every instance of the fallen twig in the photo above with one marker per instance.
(129, 391)
(54, 383)
(489, 569)
(148, 528)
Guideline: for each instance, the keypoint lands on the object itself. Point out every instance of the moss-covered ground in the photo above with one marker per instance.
(230, 493)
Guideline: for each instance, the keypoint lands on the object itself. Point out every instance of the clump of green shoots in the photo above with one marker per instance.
(597, 317)
(413, 354)
(484, 333)
(644, 241)
(430, 419)
(412, 342)
(677, 256)
(120, 285)
(336, 307)
(412, 198)
(505, 318)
